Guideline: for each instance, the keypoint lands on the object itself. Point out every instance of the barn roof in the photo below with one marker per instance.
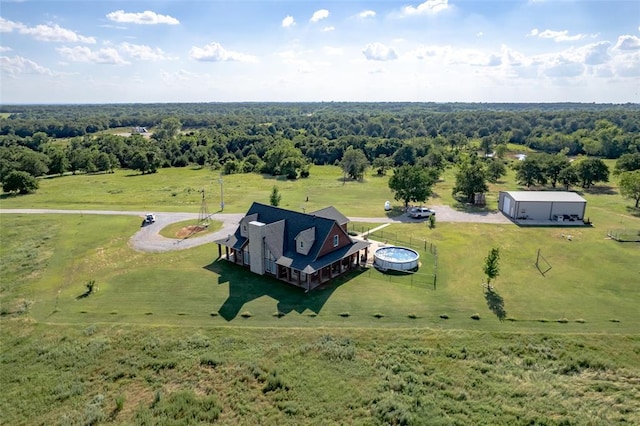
(546, 196)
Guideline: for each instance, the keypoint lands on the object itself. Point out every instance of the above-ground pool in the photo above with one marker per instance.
(396, 258)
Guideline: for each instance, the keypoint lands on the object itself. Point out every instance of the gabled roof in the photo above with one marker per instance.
(282, 227)
(332, 213)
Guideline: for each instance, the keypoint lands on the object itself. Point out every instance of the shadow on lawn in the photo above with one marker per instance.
(495, 303)
(244, 286)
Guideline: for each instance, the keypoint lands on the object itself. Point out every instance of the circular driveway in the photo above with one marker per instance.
(148, 238)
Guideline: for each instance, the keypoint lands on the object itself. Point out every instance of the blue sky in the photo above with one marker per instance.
(307, 50)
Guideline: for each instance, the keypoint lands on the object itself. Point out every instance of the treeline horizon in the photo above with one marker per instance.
(285, 138)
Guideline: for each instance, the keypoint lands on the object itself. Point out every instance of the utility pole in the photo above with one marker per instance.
(221, 194)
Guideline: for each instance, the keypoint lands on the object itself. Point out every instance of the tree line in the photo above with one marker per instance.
(284, 139)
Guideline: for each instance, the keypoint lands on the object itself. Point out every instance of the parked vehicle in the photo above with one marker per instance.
(420, 212)
(150, 218)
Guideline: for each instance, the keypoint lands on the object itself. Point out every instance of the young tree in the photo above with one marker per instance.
(630, 185)
(491, 265)
(470, 179)
(412, 183)
(20, 182)
(591, 171)
(275, 198)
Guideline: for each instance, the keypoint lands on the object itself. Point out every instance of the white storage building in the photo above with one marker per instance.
(558, 206)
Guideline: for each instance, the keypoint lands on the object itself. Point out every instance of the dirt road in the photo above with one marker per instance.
(148, 238)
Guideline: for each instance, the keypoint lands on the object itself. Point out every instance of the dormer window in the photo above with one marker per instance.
(244, 228)
(301, 244)
(336, 240)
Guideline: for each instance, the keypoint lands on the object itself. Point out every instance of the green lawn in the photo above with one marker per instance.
(178, 189)
(167, 334)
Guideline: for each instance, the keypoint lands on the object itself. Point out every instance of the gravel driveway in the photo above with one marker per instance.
(148, 239)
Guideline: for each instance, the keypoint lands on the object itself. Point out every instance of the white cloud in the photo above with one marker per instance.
(319, 15)
(180, 75)
(627, 66)
(333, 50)
(596, 53)
(288, 22)
(52, 32)
(146, 18)
(5, 49)
(214, 52)
(7, 26)
(479, 34)
(563, 67)
(557, 36)
(379, 52)
(429, 7)
(143, 52)
(628, 42)
(106, 55)
(56, 33)
(367, 14)
(18, 65)
(328, 29)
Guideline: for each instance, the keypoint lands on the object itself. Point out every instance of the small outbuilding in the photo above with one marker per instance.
(542, 206)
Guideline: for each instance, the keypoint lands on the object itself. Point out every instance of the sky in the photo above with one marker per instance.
(84, 51)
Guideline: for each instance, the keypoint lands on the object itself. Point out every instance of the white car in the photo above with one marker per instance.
(420, 212)
(150, 218)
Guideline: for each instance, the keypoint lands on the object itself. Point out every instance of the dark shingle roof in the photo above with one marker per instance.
(283, 227)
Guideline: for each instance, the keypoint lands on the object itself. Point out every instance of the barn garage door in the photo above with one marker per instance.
(506, 206)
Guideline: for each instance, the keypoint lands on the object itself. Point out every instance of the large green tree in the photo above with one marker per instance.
(354, 163)
(630, 185)
(530, 171)
(284, 159)
(591, 171)
(471, 179)
(412, 183)
(20, 182)
(627, 163)
(568, 177)
(552, 165)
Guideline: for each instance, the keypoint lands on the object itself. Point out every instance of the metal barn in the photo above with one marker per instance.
(542, 206)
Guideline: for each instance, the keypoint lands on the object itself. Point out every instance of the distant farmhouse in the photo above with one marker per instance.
(302, 249)
(543, 207)
(138, 130)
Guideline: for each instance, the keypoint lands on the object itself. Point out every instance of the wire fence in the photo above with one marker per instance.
(427, 274)
(624, 235)
(411, 279)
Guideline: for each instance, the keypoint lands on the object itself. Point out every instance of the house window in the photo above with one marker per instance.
(245, 257)
(269, 261)
(301, 244)
(244, 228)
(335, 241)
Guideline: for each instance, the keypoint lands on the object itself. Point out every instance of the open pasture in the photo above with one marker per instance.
(163, 336)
